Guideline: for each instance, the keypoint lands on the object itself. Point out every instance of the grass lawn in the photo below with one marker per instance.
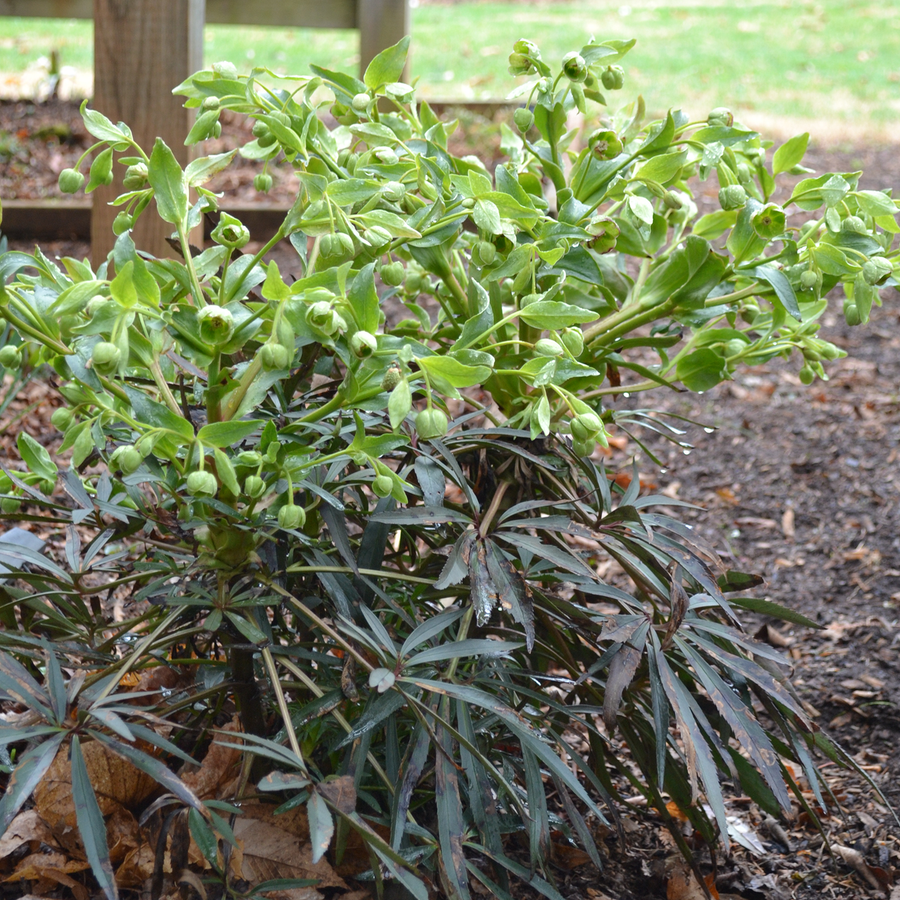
(788, 60)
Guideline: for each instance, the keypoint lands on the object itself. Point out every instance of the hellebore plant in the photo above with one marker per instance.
(373, 487)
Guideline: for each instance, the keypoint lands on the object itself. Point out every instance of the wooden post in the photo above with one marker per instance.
(381, 24)
(143, 49)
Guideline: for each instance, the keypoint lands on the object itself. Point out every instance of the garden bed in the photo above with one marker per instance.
(799, 485)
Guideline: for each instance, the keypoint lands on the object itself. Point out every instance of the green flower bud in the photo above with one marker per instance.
(70, 181)
(605, 144)
(854, 225)
(672, 200)
(216, 325)
(216, 130)
(467, 203)
(231, 232)
(249, 458)
(750, 311)
(360, 102)
(431, 423)
(484, 253)
(573, 341)
(62, 418)
(387, 157)
(291, 517)
(320, 314)
(274, 357)
(263, 182)
(808, 279)
(260, 129)
(807, 375)
(10, 505)
(122, 223)
(393, 274)
(548, 347)
(378, 237)
(136, 177)
(210, 103)
(721, 115)
(126, 459)
(392, 377)
(613, 78)
(10, 357)
(732, 196)
(591, 423)
(830, 352)
(769, 222)
(254, 487)
(225, 69)
(584, 447)
(743, 173)
(851, 313)
(363, 344)
(95, 304)
(393, 191)
(336, 247)
(524, 119)
(105, 358)
(877, 270)
(382, 486)
(574, 66)
(522, 59)
(202, 484)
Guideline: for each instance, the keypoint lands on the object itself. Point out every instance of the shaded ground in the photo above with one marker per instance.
(799, 484)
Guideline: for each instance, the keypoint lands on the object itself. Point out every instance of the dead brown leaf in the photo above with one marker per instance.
(26, 828)
(219, 767)
(568, 857)
(278, 847)
(115, 781)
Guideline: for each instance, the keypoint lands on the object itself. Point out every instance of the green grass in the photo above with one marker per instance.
(781, 59)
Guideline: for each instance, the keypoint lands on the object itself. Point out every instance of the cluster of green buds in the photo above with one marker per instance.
(613, 78)
(335, 248)
(525, 58)
(587, 430)
(392, 274)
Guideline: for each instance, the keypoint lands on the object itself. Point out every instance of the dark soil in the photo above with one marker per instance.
(797, 483)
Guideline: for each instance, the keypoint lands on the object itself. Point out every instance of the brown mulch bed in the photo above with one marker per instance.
(797, 483)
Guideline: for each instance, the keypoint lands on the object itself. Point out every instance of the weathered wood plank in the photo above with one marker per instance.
(48, 9)
(64, 220)
(381, 24)
(141, 49)
(295, 13)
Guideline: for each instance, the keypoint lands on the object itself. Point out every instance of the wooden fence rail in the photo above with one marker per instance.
(143, 48)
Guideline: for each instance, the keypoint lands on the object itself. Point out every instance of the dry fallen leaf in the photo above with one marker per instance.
(219, 767)
(855, 860)
(278, 847)
(682, 884)
(26, 828)
(568, 857)
(115, 782)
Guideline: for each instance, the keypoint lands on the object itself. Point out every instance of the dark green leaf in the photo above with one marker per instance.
(91, 826)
